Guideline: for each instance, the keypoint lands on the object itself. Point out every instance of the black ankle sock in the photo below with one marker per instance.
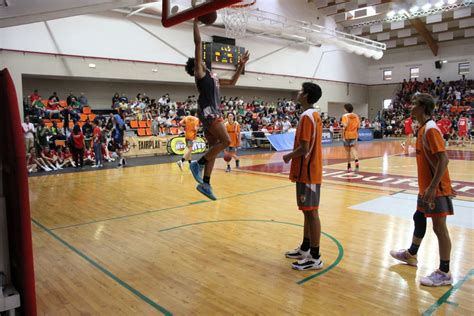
(413, 249)
(237, 163)
(348, 165)
(444, 265)
(183, 160)
(305, 244)
(202, 161)
(189, 161)
(315, 252)
(207, 179)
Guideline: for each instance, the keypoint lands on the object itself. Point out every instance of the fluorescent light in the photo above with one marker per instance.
(91, 65)
(451, 1)
(426, 7)
(391, 13)
(402, 12)
(414, 9)
(445, 61)
(155, 70)
(439, 4)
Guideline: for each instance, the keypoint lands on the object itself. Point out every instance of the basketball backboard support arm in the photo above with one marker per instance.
(201, 9)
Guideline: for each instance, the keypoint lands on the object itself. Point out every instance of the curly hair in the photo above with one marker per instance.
(190, 66)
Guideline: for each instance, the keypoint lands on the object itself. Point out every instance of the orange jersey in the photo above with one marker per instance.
(191, 126)
(429, 141)
(234, 133)
(308, 168)
(351, 124)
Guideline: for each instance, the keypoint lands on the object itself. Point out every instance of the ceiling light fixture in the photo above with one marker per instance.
(391, 14)
(91, 65)
(414, 9)
(426, 7)
(439, 4)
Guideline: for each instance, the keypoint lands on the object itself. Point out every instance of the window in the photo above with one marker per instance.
(414, 73)
(463, 68)
(387, 75)
(387, 103)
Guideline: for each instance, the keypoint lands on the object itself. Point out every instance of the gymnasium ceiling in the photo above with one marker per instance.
(398, 24)
(18, 12)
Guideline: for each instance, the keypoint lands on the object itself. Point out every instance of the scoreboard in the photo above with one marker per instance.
(221, 54)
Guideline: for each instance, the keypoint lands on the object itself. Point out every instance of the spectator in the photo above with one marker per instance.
(96, 138)
(42, 133)
(78, 145)
(70, 98)
(28, 133)
(83, 100)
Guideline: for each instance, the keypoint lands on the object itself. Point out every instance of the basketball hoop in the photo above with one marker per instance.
(236, 18)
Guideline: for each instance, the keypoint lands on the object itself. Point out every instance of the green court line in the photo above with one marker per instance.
(444, 299)
(105, 271)
(334, 264)
(167, 208)
(301, 282)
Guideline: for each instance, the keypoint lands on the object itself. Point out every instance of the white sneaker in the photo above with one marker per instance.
(308, 263)
(95, 166)
(180, 164)
(297, 253)
(437, 278)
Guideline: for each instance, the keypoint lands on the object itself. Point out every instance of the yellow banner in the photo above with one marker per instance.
(177, 145)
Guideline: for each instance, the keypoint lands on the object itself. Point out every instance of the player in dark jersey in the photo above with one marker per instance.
(209, 112)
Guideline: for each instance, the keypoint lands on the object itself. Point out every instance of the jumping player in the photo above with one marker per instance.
(233, 129)
(435, 192)
(350, 133)
(191, 126)
(209, 112)
(306, 170)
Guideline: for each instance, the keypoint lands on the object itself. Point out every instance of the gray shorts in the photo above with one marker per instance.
(349, 142)
(443, 206)
(307, 196)
(189, 143)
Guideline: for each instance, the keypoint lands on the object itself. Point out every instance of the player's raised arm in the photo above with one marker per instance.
(236, 76)
(199, 69)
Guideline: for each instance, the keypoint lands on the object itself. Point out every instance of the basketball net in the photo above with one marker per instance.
(236, 18)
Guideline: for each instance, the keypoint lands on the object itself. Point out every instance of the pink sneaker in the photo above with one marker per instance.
(437, 278)
(405, 256)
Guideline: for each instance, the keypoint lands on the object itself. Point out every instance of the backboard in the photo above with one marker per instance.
(177, 11)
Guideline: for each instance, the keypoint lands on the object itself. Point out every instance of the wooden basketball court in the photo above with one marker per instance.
(142, 240)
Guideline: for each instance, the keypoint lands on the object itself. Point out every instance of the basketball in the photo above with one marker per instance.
(227, 157)
(208, 18)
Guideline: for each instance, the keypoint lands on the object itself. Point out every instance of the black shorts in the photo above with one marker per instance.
(307, 196)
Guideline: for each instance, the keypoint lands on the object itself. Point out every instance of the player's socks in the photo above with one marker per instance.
(183, 160)
(315, 252)
(207, 179)
(202, 161)
(305, 245)
(444, 265)
(237, 163)
(357, 163)
(413, 249)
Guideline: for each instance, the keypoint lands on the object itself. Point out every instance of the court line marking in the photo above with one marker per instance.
(94, 263)
(444, 299)
(300, 282)
(170, 208)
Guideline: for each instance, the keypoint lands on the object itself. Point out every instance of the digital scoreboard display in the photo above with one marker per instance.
(221, 54)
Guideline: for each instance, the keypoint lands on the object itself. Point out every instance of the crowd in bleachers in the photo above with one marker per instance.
(49, 123)
(453, 99)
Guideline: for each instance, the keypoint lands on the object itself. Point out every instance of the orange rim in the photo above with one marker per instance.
(241, 6)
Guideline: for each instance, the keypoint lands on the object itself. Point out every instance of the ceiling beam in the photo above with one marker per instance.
(423, 31)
